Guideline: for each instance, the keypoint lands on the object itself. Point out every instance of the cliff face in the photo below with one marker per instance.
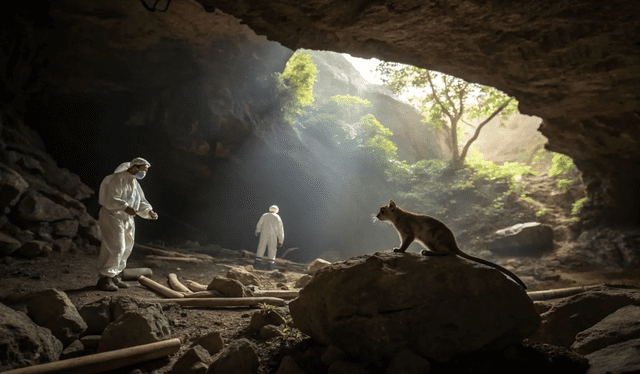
(572, 63)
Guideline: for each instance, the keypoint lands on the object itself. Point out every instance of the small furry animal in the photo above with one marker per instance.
(432, 233)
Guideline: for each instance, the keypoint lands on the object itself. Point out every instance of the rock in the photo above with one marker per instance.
(135, 322)
(36, 207)
(288, 366)
(64, 245)
(212, 342)
(616, 359)
(68, 228)
(53, 309)
(243, 276)
(278, 276)
(35, 248)
(620, 326)
(343, 367)
(23, 342)
(261, 318)
(90, 341)
(8, 245)
(332, 354)
(303, 281)
(608, 249)
(12, 186)
(229, 287)
(239, 357)
(316, 265)
(531, 238)
(574, 314)
(89, 229)
(194, 355)
(407, 362)
(75, 349)
(375, 306)
(97, 315)
(269, 331)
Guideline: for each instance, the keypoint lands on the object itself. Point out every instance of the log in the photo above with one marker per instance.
(282, 294)
(166, 291)
(205, 294)
(161, 251)
(558, 293)
(105, 361)
(221, 302)
(195, 286)
(134, 273)
(176, 285)
(168, 258)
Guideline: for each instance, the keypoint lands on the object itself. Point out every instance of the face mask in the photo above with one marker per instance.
(141, 174)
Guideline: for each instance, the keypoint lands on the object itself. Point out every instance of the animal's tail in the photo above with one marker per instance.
(488, 263)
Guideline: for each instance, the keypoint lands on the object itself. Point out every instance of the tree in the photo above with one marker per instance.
(296, 84)
(447, 101)
(376, 139)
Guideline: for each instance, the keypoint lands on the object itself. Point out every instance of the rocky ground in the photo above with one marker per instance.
(74, 273)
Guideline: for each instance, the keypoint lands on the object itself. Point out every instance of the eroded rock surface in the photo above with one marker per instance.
(23, 342)
(375, 306)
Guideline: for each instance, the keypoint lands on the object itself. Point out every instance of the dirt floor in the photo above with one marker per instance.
(75, 275)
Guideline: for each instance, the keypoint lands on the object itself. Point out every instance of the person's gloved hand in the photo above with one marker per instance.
(153, 215)
(130, 211)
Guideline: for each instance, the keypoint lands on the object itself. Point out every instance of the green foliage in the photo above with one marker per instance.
(541, 212)
(376, 138)
(349, 101)
(445, 100)
(561, 164)
(577, 205)
(296, 84)
(491, 171)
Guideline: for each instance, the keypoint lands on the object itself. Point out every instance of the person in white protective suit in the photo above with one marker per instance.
(271, 234)
(121, 198)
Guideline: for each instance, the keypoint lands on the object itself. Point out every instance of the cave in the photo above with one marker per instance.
(87, 85)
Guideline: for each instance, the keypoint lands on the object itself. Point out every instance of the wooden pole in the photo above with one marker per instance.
(170, 258)
(221, 302)
(558, 293)
(105, 361)
(166, 291)
(176, 285)
(195, 286)
(276, 293)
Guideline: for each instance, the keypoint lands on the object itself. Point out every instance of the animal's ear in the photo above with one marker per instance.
(392, 205)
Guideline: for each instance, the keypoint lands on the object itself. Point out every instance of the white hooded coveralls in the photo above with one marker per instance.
(117, 192)
(271, 233)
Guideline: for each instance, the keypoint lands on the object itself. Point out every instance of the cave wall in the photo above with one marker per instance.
(194, 93)
(572, 63)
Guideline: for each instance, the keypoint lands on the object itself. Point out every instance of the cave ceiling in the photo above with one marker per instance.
(572, 63)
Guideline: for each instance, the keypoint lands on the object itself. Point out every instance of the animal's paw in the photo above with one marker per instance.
(397, 250)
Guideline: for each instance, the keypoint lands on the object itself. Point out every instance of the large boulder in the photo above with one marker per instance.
(134, 323)
(376, 306)
(36, 207)
(24, 343)
(53, 309)
(531, 238)
(617, 327)
(12, 186)
(574, 314)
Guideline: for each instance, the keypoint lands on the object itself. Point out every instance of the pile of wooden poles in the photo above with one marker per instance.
(198, 295)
